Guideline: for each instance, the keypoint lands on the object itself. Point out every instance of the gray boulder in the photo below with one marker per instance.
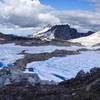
(7, 82)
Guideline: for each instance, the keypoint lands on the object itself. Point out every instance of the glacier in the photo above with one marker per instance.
(9, 53)
(66, 67)
(56, 68)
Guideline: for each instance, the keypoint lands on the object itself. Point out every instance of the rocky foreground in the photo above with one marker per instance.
(85, 86)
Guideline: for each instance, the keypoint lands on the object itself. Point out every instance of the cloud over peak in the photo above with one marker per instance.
(31, 13)
(26, 13)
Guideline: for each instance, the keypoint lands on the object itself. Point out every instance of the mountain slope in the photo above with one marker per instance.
(44, 34)
(64, 32)
(90, 40)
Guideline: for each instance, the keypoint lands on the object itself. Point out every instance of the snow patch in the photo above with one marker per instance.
(88, 41)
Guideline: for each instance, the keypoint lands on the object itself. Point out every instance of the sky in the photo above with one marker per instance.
(69, 4)
(30, 15)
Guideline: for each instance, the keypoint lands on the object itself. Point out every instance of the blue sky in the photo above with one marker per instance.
(69, 4)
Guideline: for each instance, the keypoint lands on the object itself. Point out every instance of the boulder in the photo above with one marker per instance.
(7, 82)
(81, 74)
(94, 86)
(94, 70)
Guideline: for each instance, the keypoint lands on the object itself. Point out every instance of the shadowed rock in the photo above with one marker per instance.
(81, 88)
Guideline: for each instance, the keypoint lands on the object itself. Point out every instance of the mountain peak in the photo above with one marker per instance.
(64, 32)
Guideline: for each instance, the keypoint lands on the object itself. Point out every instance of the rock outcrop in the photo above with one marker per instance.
(64, 32)
(28, 58)
(30, 41)
(9, 76)
(85, 86)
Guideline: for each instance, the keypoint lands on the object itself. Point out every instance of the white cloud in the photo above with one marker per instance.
(49, 19)
(31, 13)
(26, 13)
(82, 20)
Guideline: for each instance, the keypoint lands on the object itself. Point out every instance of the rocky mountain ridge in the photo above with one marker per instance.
(85, 86)
(64, 32)
(32, 41)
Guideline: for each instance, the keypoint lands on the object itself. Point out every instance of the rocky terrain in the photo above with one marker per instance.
(64, 32)
(85, 86)
(28, 41)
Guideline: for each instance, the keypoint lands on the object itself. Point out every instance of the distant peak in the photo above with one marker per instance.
(64, 32)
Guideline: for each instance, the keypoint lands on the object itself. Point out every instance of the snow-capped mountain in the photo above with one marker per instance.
(90, 40)
(64, 32)
(45, 33)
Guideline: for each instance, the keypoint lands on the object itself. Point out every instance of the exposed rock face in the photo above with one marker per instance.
(64, 32)
(60, 32)
(81, 74)
(79, 88)
(8, 76)
(18, 40)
